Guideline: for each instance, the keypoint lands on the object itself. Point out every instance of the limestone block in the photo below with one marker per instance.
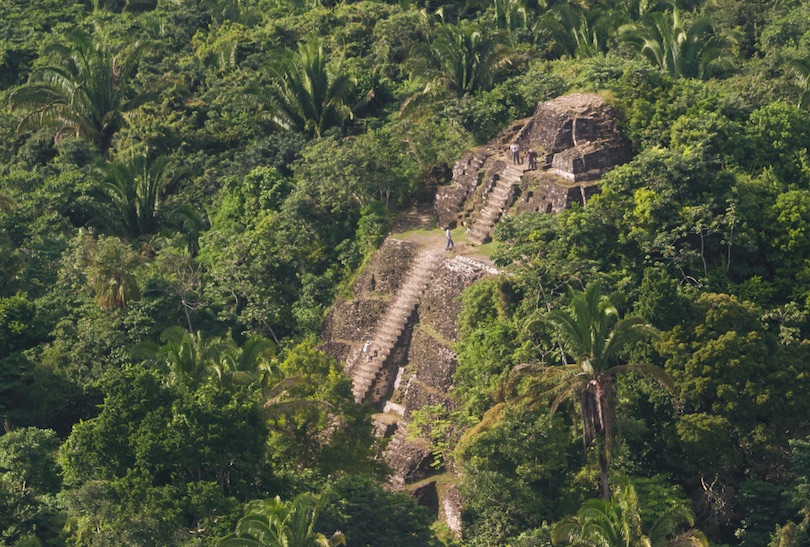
(433, 363)
(419, 394)
(441, 302)
(450, 199)
(409, 461)
(450, 507)
(352, 319)
(384, 273)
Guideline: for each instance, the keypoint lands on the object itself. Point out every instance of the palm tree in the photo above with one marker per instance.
(245, 12)
(274, 523)
(7, 203)
(248, 364)
(306, 94)
(800, 68)
(576, 33)
(460, 59)
(82, 91)
(185, 356)
(188, 358)
(617, 523)
(510, 14)
(111, 272)
(666, 41)
(137, 190)
(594, 336)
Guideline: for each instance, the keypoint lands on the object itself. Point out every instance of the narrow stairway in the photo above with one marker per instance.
(495, 202)
(364, 368)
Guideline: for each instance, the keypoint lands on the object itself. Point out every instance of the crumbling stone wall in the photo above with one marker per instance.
(450, 507)
(588, 161)
(547, 194)
(435, 363)
(418, 394)
(410, 459)
(386, 269)
(571, 120)
(450, 199)
(351, 320)
(441, 302)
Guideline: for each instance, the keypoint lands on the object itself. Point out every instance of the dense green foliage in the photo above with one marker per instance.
(185, 185)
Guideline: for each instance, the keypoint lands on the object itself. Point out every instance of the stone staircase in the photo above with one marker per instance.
(366, 369)
(496, 200)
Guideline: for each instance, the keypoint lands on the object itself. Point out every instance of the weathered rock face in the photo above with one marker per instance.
(550, 193)
(587, 161)
(570, 121)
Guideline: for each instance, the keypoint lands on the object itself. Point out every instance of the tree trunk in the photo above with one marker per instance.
(603, 472)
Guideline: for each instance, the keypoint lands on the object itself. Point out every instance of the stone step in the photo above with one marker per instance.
(396, 320)
(393, 324)
(493, 206)
(502, 189)
(388, 332)
(400, 316)
(370, 368)
(364, 382)
(486, 217)
(410, 294)
(403, 307)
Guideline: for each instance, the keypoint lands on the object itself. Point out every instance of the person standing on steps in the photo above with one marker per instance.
(367, 349)
(515, 149)
(449, 235)
(531, 157)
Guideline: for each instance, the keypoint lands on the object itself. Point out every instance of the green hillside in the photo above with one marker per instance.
(187, 185)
